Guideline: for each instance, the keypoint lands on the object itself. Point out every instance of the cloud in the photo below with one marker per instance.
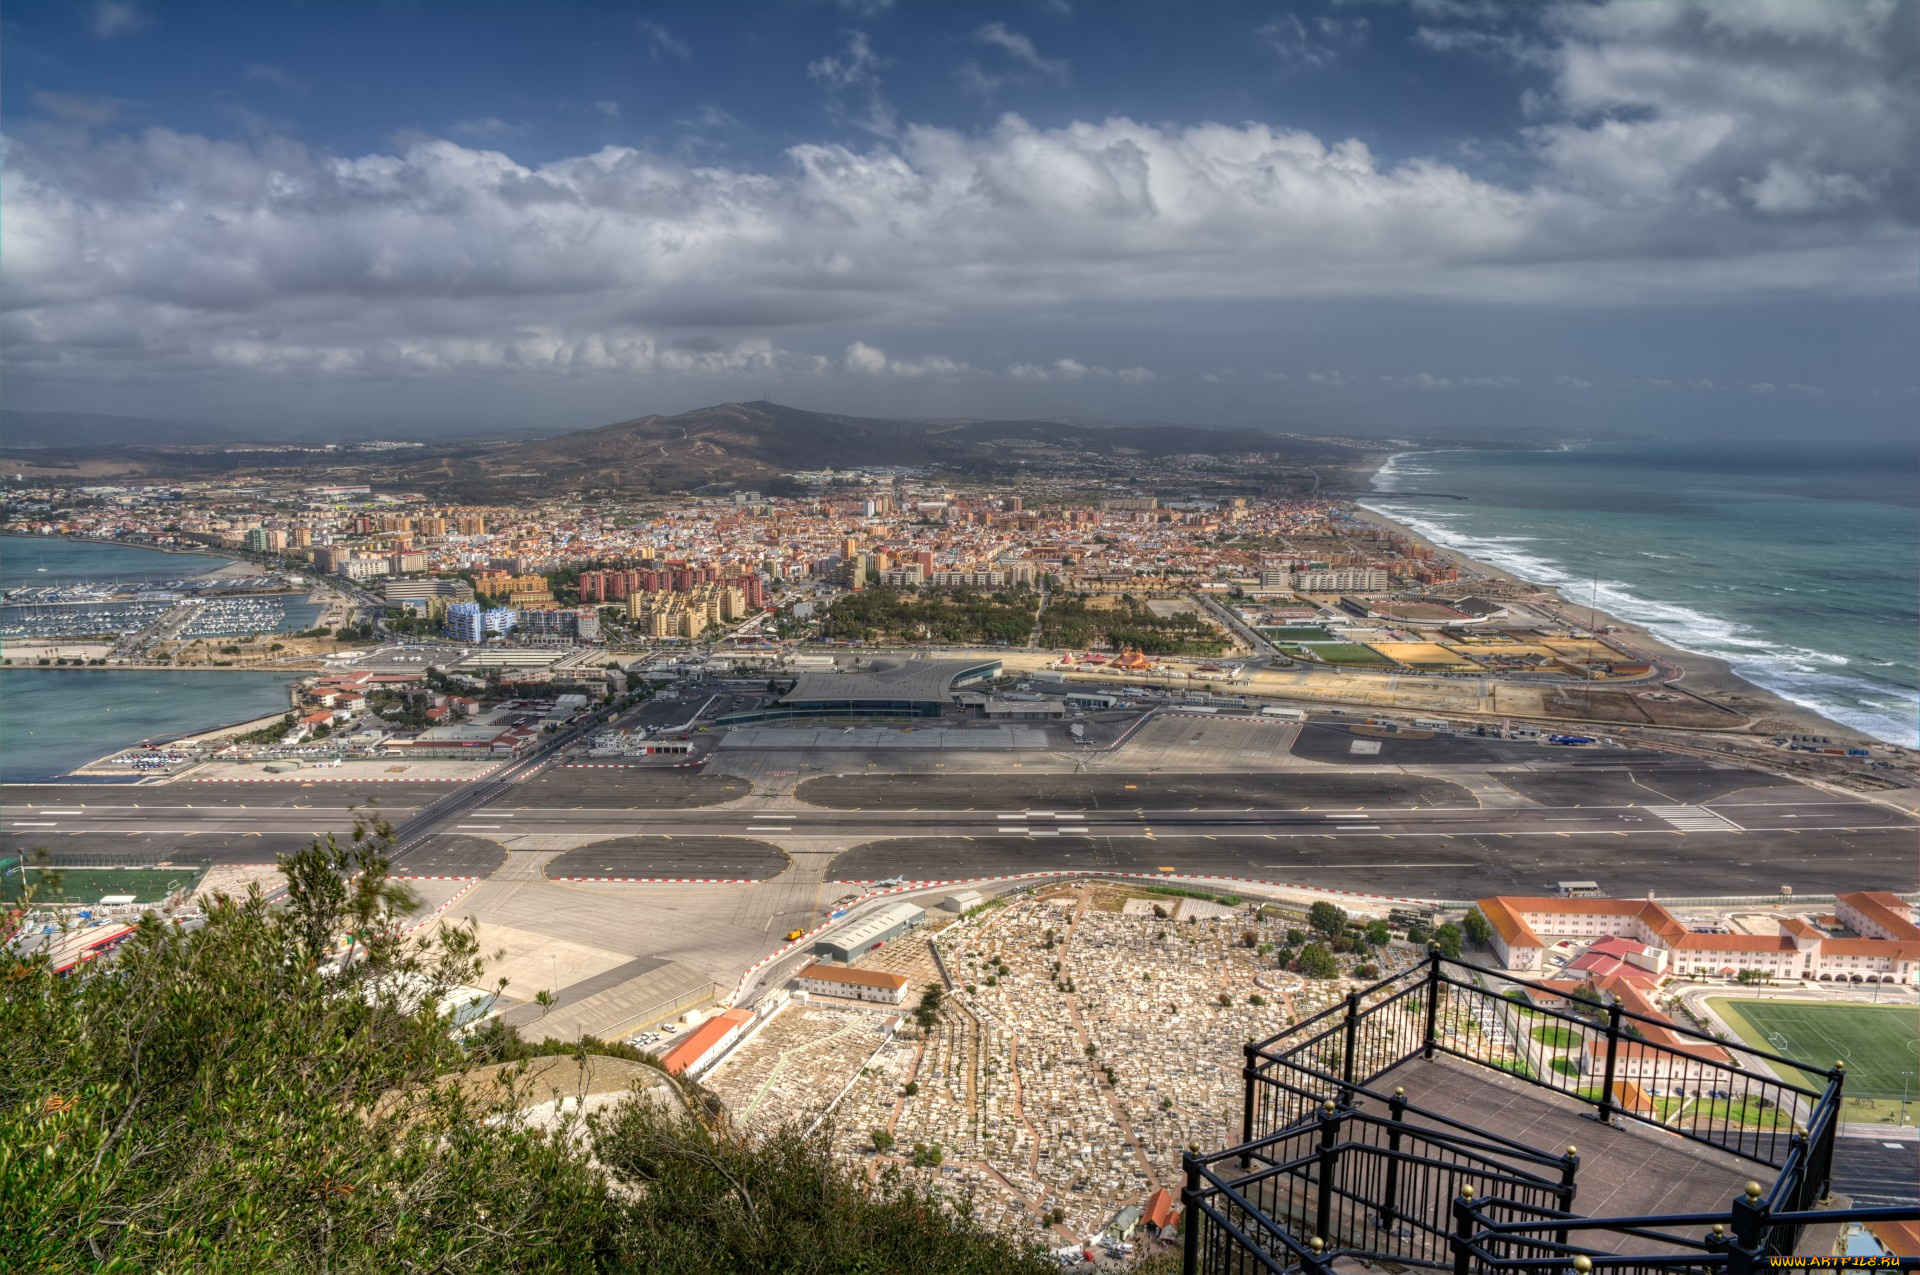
(77, 108)
(117, 17)
(1023, 59)
(1074, 370)
(261, 73)
(490, 128)
(662, 43)
(1300, 44)
(608, 107)
(1428, 381)
(1683, 155)
(1019, 48)
(852, 83)
(866, 360)
(1573, 383)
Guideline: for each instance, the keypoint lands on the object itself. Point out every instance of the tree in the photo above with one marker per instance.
(1476, 927)
(882, 1141)
(1315, 961)
(270, 1090)
(927, 1012)
(1327, 918)
(1378, 934)
(1417, 933)
(1447, 939)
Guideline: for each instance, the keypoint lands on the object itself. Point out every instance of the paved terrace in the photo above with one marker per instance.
(1626, 1169)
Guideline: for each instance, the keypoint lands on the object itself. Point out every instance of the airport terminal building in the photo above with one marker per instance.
(879, 688)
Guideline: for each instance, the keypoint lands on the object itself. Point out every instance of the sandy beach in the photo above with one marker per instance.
(1701, 675)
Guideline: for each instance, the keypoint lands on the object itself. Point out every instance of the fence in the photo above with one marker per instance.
(1374, 1187)
(1626, 1065)
(1317, 1179)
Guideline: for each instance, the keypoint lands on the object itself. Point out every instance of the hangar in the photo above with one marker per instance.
(877, 688)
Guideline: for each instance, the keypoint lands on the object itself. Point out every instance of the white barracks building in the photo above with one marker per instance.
(1885, 947)
(861, 985)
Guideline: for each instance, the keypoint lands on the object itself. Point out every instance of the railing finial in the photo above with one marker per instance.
(1466, 1191)
(1318, 1245)
(1753, 1190)
(1583, 1264)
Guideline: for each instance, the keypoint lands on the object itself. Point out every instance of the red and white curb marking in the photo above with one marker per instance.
(662, 880)
(314, 777)
(458, 895)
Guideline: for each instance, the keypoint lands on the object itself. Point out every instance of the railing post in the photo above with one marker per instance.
(1250, 1075)
(1352, 1043)
(1569, 1167)
(1390, 1197)
(1613, 1054)
(1820, 1167)
(1190, 1215)
(1463, 1229)
(1433, 998)
(1330, 1118)
(1747, 1249)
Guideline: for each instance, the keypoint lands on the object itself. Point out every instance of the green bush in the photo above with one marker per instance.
(248, 1096)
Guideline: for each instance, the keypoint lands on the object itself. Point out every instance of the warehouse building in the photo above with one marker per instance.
(881, 688)
(888, 923)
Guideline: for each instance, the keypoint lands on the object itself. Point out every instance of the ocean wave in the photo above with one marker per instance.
(1800, 675)
(1398, 466)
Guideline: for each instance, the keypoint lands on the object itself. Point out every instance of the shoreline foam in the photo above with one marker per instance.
(1703, 672)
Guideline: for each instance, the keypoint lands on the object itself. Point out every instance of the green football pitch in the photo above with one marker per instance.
(1880, 1043)
(90, 885)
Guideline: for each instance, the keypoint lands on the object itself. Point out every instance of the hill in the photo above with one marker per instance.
(754, 443)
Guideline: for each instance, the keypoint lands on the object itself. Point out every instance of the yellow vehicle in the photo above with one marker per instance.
(794, 934)
(1166, 869)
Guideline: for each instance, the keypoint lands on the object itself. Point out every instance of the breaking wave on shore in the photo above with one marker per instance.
(1561, 551)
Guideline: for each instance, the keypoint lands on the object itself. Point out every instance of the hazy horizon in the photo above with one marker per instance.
(1437, 217)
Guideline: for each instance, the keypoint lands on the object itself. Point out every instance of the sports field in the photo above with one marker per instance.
(1880, 1043)
(90, 885)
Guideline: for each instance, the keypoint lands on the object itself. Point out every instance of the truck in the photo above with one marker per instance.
(1571, 740)
(1429, 723)
(1284, 714)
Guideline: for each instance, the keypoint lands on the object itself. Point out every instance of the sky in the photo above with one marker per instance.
(1422, 216)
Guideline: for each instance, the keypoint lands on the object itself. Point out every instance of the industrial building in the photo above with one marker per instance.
(880, 688)
(862, 936)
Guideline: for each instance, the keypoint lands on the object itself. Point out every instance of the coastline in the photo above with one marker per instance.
(1705, 676)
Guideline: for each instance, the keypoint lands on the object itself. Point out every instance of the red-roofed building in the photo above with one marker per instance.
(1639, 932)
(1160, 1217)
(702, 1047)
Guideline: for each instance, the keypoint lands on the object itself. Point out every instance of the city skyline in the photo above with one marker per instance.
(1360, 217)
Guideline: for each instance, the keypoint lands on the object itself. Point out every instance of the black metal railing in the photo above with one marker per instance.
(1373, 1186)
(1623, 1064)
(1490, 1237)
(1319, 1176)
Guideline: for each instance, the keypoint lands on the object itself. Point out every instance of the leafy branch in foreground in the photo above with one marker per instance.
(277, 1089)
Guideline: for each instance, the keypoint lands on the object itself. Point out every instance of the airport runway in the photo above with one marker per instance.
(1751, 841)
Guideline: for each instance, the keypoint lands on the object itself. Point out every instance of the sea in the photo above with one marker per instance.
(1797, 564)
(52, 720)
